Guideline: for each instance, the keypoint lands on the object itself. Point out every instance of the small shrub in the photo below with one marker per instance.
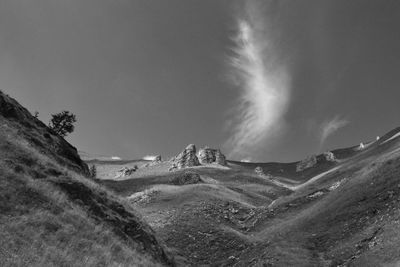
(93, 171)
(53, 172)
(186, 178)
(19, 169)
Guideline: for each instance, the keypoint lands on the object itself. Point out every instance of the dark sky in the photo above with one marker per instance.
(149, 77)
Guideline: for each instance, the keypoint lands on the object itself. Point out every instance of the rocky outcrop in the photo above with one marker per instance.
(313, 160)
(258, 170)
(329, 156)
(361, 146)
(220, 158)
(309, 162)
(187, 158)
(209, 155)
(124, 172)
(157, 158)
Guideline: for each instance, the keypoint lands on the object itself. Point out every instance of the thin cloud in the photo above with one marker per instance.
(263, 82)
(329, 127)
(150, 157)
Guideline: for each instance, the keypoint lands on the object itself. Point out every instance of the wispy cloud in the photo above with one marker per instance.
(331, 126)
(150, 157)
(263, 81)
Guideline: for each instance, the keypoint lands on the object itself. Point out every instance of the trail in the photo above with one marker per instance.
(310, 181)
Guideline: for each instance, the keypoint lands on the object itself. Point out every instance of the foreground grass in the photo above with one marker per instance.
(40, 227)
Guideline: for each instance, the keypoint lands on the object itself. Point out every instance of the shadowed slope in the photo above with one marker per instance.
(51, 215)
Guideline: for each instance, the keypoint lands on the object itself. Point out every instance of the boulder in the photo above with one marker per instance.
(187, 158)
(157, 158)
(361, 147)
(259, 170)
(329, 156)
(313, 160)
(209, 155)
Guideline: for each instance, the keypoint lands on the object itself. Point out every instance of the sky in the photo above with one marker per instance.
(262, 80)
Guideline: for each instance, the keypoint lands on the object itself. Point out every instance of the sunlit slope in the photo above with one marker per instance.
(337, 213)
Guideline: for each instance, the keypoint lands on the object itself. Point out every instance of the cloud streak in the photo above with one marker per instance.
(263, 81)
(329, 127)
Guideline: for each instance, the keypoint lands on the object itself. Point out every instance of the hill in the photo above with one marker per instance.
(51, 214)
(343, 212)
(336, 209)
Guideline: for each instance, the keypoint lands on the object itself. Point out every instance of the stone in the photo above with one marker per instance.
(157, 158)
(187, 158)
(124, 172)
(329, 156)
(361, 147)
(259, 170)
(220, 158)
(313, 160)
(209, 155)
(309, 162)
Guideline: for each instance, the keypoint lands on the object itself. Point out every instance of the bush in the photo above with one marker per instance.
(93, 171)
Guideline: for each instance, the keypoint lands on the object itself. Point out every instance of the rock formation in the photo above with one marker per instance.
(209, 155)
(157, 158)
(187, 158)
(259, 170)
(361, 147)
(309, 162)
(220, 158)
(124, 172)
(329, 156)
(313, 160)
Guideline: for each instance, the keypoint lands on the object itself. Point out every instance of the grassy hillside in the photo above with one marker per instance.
(342, 213)
(51, 214)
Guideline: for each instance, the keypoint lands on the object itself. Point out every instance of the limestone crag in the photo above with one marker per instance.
(124, 172)
(306, 163)
(187, 158)
(220, 158)
(329, 156)
(313, 160)
(209, 155)
(157, 158)
(258, 170)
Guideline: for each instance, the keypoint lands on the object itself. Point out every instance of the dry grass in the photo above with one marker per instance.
(40, 225)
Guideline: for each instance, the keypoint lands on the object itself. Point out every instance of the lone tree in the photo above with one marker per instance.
(62, 123)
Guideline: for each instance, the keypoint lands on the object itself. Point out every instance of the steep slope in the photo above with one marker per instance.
(51, 214)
